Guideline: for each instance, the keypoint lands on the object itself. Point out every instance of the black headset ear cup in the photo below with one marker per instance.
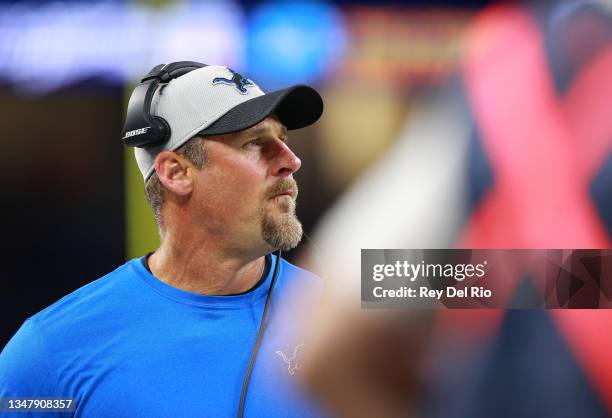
(141, 128)
(162, 129)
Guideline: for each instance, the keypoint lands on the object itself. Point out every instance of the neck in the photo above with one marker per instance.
(202, 266)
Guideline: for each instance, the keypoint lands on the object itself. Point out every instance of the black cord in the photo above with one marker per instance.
(262, 327)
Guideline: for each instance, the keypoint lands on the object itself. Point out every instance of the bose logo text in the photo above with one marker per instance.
(136, 132)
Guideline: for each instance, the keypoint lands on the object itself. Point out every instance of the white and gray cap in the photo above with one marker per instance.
(215, 100)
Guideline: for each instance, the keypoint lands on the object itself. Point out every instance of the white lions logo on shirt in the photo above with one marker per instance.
(296, 361)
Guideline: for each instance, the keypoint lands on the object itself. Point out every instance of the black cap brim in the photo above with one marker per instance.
(296, 107)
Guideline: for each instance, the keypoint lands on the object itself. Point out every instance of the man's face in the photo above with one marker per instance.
(245, 193)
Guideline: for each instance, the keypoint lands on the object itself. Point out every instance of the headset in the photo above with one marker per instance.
(142, 129)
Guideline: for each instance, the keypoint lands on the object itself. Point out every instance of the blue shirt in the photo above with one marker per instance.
(129, 345)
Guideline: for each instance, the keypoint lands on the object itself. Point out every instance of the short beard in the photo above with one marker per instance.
(282, 232)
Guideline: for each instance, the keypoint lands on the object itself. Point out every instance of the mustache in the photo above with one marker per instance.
(286, 184)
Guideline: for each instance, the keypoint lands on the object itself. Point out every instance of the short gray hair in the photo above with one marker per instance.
(193, 151)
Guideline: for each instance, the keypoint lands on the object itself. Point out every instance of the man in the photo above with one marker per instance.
(181, 332)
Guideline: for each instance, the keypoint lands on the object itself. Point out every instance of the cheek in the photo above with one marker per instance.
(235, 189)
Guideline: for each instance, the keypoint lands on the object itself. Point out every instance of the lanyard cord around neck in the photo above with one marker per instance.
(262, 328)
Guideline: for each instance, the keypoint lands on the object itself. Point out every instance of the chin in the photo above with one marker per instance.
(282, 232)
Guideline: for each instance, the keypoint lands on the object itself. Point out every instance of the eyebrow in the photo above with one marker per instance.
(260, 131)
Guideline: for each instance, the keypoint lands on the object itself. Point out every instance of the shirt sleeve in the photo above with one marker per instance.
(25, 371)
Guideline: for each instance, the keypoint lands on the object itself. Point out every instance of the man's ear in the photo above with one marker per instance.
(173, 172)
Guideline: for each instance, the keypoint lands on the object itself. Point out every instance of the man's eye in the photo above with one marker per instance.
(254, 143)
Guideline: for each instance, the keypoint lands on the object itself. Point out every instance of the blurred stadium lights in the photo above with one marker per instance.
(44, 46)
(294, 42)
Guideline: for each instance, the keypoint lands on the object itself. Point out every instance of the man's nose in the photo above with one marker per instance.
(285, 162)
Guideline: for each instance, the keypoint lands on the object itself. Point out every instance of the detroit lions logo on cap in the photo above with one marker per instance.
(238, 81)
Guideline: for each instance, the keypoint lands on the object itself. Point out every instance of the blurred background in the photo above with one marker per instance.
(468, 124)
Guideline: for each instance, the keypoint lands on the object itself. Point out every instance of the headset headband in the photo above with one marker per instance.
(141, 128)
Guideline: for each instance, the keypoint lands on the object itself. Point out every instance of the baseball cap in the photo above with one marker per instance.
(215, 100)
